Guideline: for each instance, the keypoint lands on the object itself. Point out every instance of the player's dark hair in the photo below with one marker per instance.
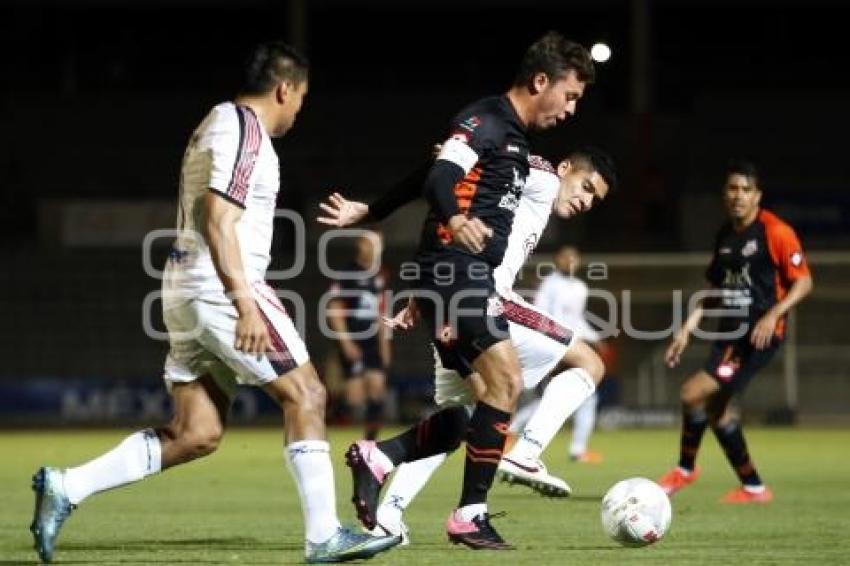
(594, 159)
(745, 168)
(555, 56)
(271, 63)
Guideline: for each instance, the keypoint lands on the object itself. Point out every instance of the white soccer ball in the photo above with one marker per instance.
(636, 512)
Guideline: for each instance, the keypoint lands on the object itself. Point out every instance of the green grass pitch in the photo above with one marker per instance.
(239, 506)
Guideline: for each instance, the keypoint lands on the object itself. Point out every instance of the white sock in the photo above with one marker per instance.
(561, 398)
(754, 488)
(469, 512)
(527, 406)
(583, 420)
(310, 464)
(137, 457)
(407, 482)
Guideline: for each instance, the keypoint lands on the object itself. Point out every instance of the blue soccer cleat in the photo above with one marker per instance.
(347, 545)
(51, 509)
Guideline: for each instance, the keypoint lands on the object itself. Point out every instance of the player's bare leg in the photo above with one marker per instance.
(195, 431)
(302, 397)
(572, 382)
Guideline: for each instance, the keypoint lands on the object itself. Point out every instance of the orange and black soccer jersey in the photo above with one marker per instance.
(755, 268)
(491, 189)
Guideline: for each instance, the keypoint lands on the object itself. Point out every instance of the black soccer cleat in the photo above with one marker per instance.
(367, 478)
(477, 534)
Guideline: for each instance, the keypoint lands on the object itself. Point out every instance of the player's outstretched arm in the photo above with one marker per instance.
(341, 212)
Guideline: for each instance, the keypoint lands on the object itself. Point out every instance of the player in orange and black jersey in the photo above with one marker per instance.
(473, 187)
(759, 272)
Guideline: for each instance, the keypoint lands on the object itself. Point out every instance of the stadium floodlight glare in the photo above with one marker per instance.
(600, 52)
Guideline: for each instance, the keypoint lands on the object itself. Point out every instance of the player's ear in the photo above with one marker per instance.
(282, 91)
(564, 168)
(539, 82)
(758, 195)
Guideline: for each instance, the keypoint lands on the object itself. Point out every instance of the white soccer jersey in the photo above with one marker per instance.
(232, 154)
(530, 219)
(565, 298)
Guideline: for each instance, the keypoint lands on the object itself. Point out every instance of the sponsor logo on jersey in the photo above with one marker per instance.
(471, 123)
(512, 148)
(749, 248)
(510, 200)
(796, 259)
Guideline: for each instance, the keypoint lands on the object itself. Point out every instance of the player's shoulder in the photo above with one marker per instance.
(486, 114)
(539, 163)
(773, 223)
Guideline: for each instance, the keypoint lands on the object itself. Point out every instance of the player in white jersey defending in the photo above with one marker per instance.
(546, 349)
(226, 326)
(563, 295)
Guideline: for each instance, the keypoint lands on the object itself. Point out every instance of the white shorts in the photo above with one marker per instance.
(202, 334)
(540, 343)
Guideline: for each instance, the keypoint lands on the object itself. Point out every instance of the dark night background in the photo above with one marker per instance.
(99, 98)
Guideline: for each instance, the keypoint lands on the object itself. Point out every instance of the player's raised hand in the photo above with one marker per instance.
(764, 330)
(673, 355)
(471, 233)
(405, 319)
(340, 212)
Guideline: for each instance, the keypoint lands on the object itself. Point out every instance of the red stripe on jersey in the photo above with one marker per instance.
(537, 162)
(535, 320)
(246, 156)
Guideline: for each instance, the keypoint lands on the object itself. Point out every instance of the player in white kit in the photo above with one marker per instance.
(545, 348)
(563, 295)
(225, 325)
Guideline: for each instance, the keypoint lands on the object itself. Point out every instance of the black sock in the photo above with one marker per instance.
(485, 442)
(439, 433)
(374, 418)
(731, 438)
(693, 427)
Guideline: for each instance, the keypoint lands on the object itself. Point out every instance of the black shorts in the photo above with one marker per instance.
(459, 292)
(733, 363)
(371, 359)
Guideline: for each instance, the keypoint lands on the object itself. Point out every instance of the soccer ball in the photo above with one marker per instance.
(636, 512)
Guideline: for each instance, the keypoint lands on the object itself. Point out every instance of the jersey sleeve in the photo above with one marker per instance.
(472, 138)
(786, 251)
(232, 140)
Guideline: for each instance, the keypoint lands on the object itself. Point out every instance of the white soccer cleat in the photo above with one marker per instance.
(386, 528)
(532, 472)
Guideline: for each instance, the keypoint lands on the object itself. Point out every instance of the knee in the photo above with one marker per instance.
(691, 396)
(596, 368)
(197, 442)
(310, 395)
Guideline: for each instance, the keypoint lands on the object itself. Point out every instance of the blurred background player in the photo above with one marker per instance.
(563, 295)
(761, 273)
(226, 325)
(364, 344)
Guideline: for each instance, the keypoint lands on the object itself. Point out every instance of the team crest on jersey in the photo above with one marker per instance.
(796, 259)
(749, 248)
(495, 306)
